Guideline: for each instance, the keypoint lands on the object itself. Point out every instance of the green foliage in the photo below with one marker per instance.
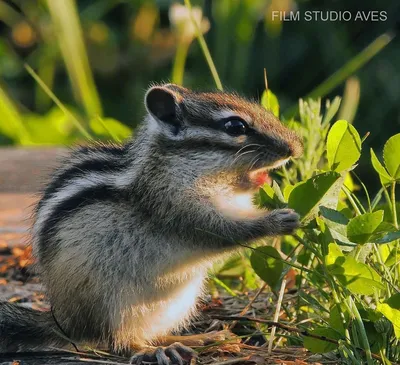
(349, 248)
(321, 346)
(343, 146)
(391, 153)
(307, 196)
(361, 228)
(268, 265)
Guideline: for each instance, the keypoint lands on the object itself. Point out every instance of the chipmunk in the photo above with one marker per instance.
(124, 235)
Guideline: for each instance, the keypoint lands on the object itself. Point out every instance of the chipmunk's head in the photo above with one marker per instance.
(217, 132)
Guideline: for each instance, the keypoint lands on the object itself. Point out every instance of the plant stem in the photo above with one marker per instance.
(351, 200)
(393, 199)
(204, 48)
(178, 68)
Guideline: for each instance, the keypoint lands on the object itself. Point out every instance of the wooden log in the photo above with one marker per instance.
(25, 170)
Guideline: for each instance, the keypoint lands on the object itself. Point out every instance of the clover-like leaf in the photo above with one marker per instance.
(343, 146)
(357, 277)
(270, 102)
(307, 196)
(380, 169)
(391, 153)
(361, 228)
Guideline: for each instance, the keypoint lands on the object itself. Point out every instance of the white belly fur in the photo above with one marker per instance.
(138, 324)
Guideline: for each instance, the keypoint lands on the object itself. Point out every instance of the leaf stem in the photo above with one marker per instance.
(393, 199)
(351, 200)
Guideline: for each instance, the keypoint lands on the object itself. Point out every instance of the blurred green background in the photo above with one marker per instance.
(90, 62)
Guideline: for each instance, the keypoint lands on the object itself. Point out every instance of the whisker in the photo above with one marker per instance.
(248, 145)
(241, 155)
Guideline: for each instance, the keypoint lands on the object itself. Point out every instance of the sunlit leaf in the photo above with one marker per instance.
(391, 156)
(383, 174)
(333, 255)
(357, 277)
(391, 310)
(270, 102)
(343, 146)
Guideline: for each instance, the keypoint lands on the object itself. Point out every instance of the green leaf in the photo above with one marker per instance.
(320, 346)
(110, 128)
(266, 196)
(385, 233)
(393, 258)
(334, 253)
(383, 174)
(287, 191)
(336, 320)
(337, 225)
(271, 196)
(391, 310)
(391, 153)
(361, 228)
(343, 146)
(355, 276)
(268, 265)
(270, 102)
(307, 196)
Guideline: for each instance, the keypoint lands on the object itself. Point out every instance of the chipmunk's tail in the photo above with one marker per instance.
(25, 329)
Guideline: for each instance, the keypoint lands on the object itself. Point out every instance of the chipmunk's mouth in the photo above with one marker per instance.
(261, 176)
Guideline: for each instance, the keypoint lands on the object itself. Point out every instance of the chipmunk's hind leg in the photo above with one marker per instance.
(176, 354)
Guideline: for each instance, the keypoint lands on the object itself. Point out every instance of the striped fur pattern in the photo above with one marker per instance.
(124, 235)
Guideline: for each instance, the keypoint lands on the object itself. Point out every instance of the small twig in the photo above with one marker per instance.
(84, 359)
(276, 316)
(265, 79)
(233, 361)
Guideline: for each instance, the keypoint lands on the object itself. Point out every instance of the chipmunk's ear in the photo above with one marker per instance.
(162, 102)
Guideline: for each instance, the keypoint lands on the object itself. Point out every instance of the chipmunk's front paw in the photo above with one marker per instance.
(287, 220)
(176, 354)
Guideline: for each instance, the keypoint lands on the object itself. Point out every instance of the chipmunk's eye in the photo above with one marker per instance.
(235, 127)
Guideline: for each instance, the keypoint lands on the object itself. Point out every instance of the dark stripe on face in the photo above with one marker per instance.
(101, 193)
(204, 145)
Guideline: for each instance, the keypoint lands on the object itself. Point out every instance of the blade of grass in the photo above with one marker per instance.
(69, 34)
(57, 101)
(204, 48)
(350, 101)
(346, 70)
(178, 68)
